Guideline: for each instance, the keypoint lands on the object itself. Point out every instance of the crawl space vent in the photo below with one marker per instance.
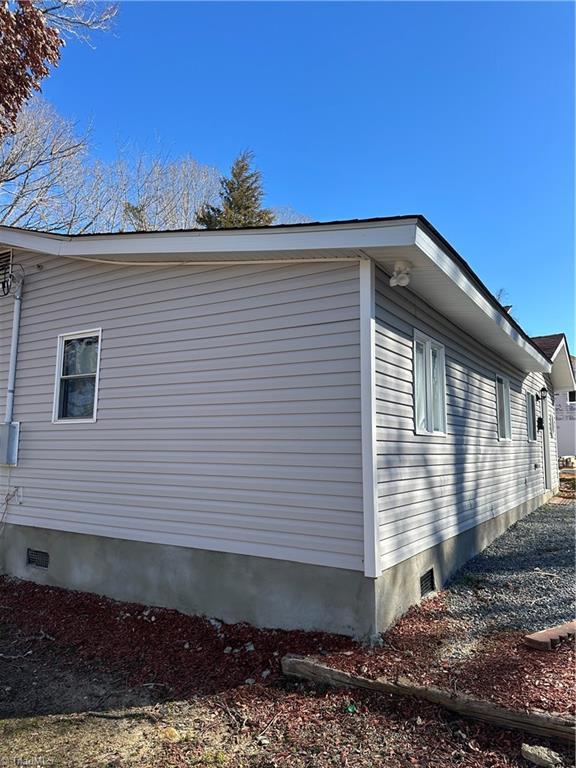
(427, 583)
(37, 558)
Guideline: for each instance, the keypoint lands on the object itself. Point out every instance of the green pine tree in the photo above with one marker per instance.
(240, 200)
(135, 215)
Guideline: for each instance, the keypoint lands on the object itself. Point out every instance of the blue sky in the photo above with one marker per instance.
(461, 111)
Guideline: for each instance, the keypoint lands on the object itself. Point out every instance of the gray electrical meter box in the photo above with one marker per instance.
(9, 438)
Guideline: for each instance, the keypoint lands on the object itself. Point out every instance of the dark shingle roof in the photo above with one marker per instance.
(548, 344)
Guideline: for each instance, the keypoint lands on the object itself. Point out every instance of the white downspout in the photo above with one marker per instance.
(13, 353)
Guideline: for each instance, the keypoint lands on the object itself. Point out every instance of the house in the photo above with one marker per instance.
(565, 402)
(296, 426)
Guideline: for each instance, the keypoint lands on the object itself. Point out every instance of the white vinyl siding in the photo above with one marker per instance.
(228, 407)
(429, 489)
(503, 408)
(429, 385)
(531, 417)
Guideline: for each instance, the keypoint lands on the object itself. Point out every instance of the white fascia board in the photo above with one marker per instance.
(37, 242)
(449, 267)
(232, 242)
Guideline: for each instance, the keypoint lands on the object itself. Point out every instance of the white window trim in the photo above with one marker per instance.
(506, 381)
(59, 360)
(531, 403)
(429, 343)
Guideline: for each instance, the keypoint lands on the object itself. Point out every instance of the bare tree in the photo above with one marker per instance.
(48, 182)
(285, 214)
(168, 194)
(32, 33)
(78, 18)
(37, 162)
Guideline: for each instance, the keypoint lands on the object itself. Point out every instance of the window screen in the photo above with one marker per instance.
(420, 386)
(429, 385)
(503, 408)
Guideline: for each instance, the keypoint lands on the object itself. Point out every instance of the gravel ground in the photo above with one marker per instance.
(524, 580)
(469, 637)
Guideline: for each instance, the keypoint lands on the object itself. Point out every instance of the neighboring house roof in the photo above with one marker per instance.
(548, 344)
(438, 273)
(555, 347)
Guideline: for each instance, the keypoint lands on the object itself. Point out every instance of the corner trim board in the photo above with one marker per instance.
(368, 420)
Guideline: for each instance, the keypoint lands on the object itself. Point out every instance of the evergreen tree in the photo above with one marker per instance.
(240, 199)
(135, 215)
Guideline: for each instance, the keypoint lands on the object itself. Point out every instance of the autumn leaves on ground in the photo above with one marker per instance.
(85, 681)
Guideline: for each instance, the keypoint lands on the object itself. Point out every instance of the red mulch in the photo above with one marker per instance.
(500, 669)
(149, 644)
(307, 725)
(357, 728)
(187, 653)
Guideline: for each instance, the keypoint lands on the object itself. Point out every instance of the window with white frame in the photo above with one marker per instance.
(572, 396)
(429, 385)
(503, 408)
(77, 366)
(531, 417)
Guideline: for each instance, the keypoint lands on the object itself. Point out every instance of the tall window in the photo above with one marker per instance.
(429, 385)
(77, 376)
(572, 396)
(531, 417)
(503, 408)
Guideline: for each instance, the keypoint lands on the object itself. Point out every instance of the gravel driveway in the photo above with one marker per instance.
(523, 580)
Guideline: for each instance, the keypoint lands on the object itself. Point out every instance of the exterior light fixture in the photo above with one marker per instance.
(543, 393)
(401, 275)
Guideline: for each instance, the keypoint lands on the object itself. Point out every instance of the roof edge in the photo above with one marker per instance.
(473, 277)
(202, 230)
(419, 220)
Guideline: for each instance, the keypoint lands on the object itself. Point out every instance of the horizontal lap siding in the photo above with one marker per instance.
(228, 411)
(431, 488)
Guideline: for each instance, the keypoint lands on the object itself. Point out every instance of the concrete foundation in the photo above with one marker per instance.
(399, 587)
(233, 588)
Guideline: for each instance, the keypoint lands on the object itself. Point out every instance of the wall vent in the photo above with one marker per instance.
(427, 583)
(37, 558)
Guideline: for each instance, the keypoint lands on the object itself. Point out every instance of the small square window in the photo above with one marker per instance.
(572, 396)
(77, 370)
(429, 386)
(503, 408)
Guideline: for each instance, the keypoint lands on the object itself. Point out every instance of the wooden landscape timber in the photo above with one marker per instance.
(536, 723)
(547, 639)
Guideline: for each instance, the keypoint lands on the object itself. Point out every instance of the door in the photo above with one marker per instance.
(546, 444)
